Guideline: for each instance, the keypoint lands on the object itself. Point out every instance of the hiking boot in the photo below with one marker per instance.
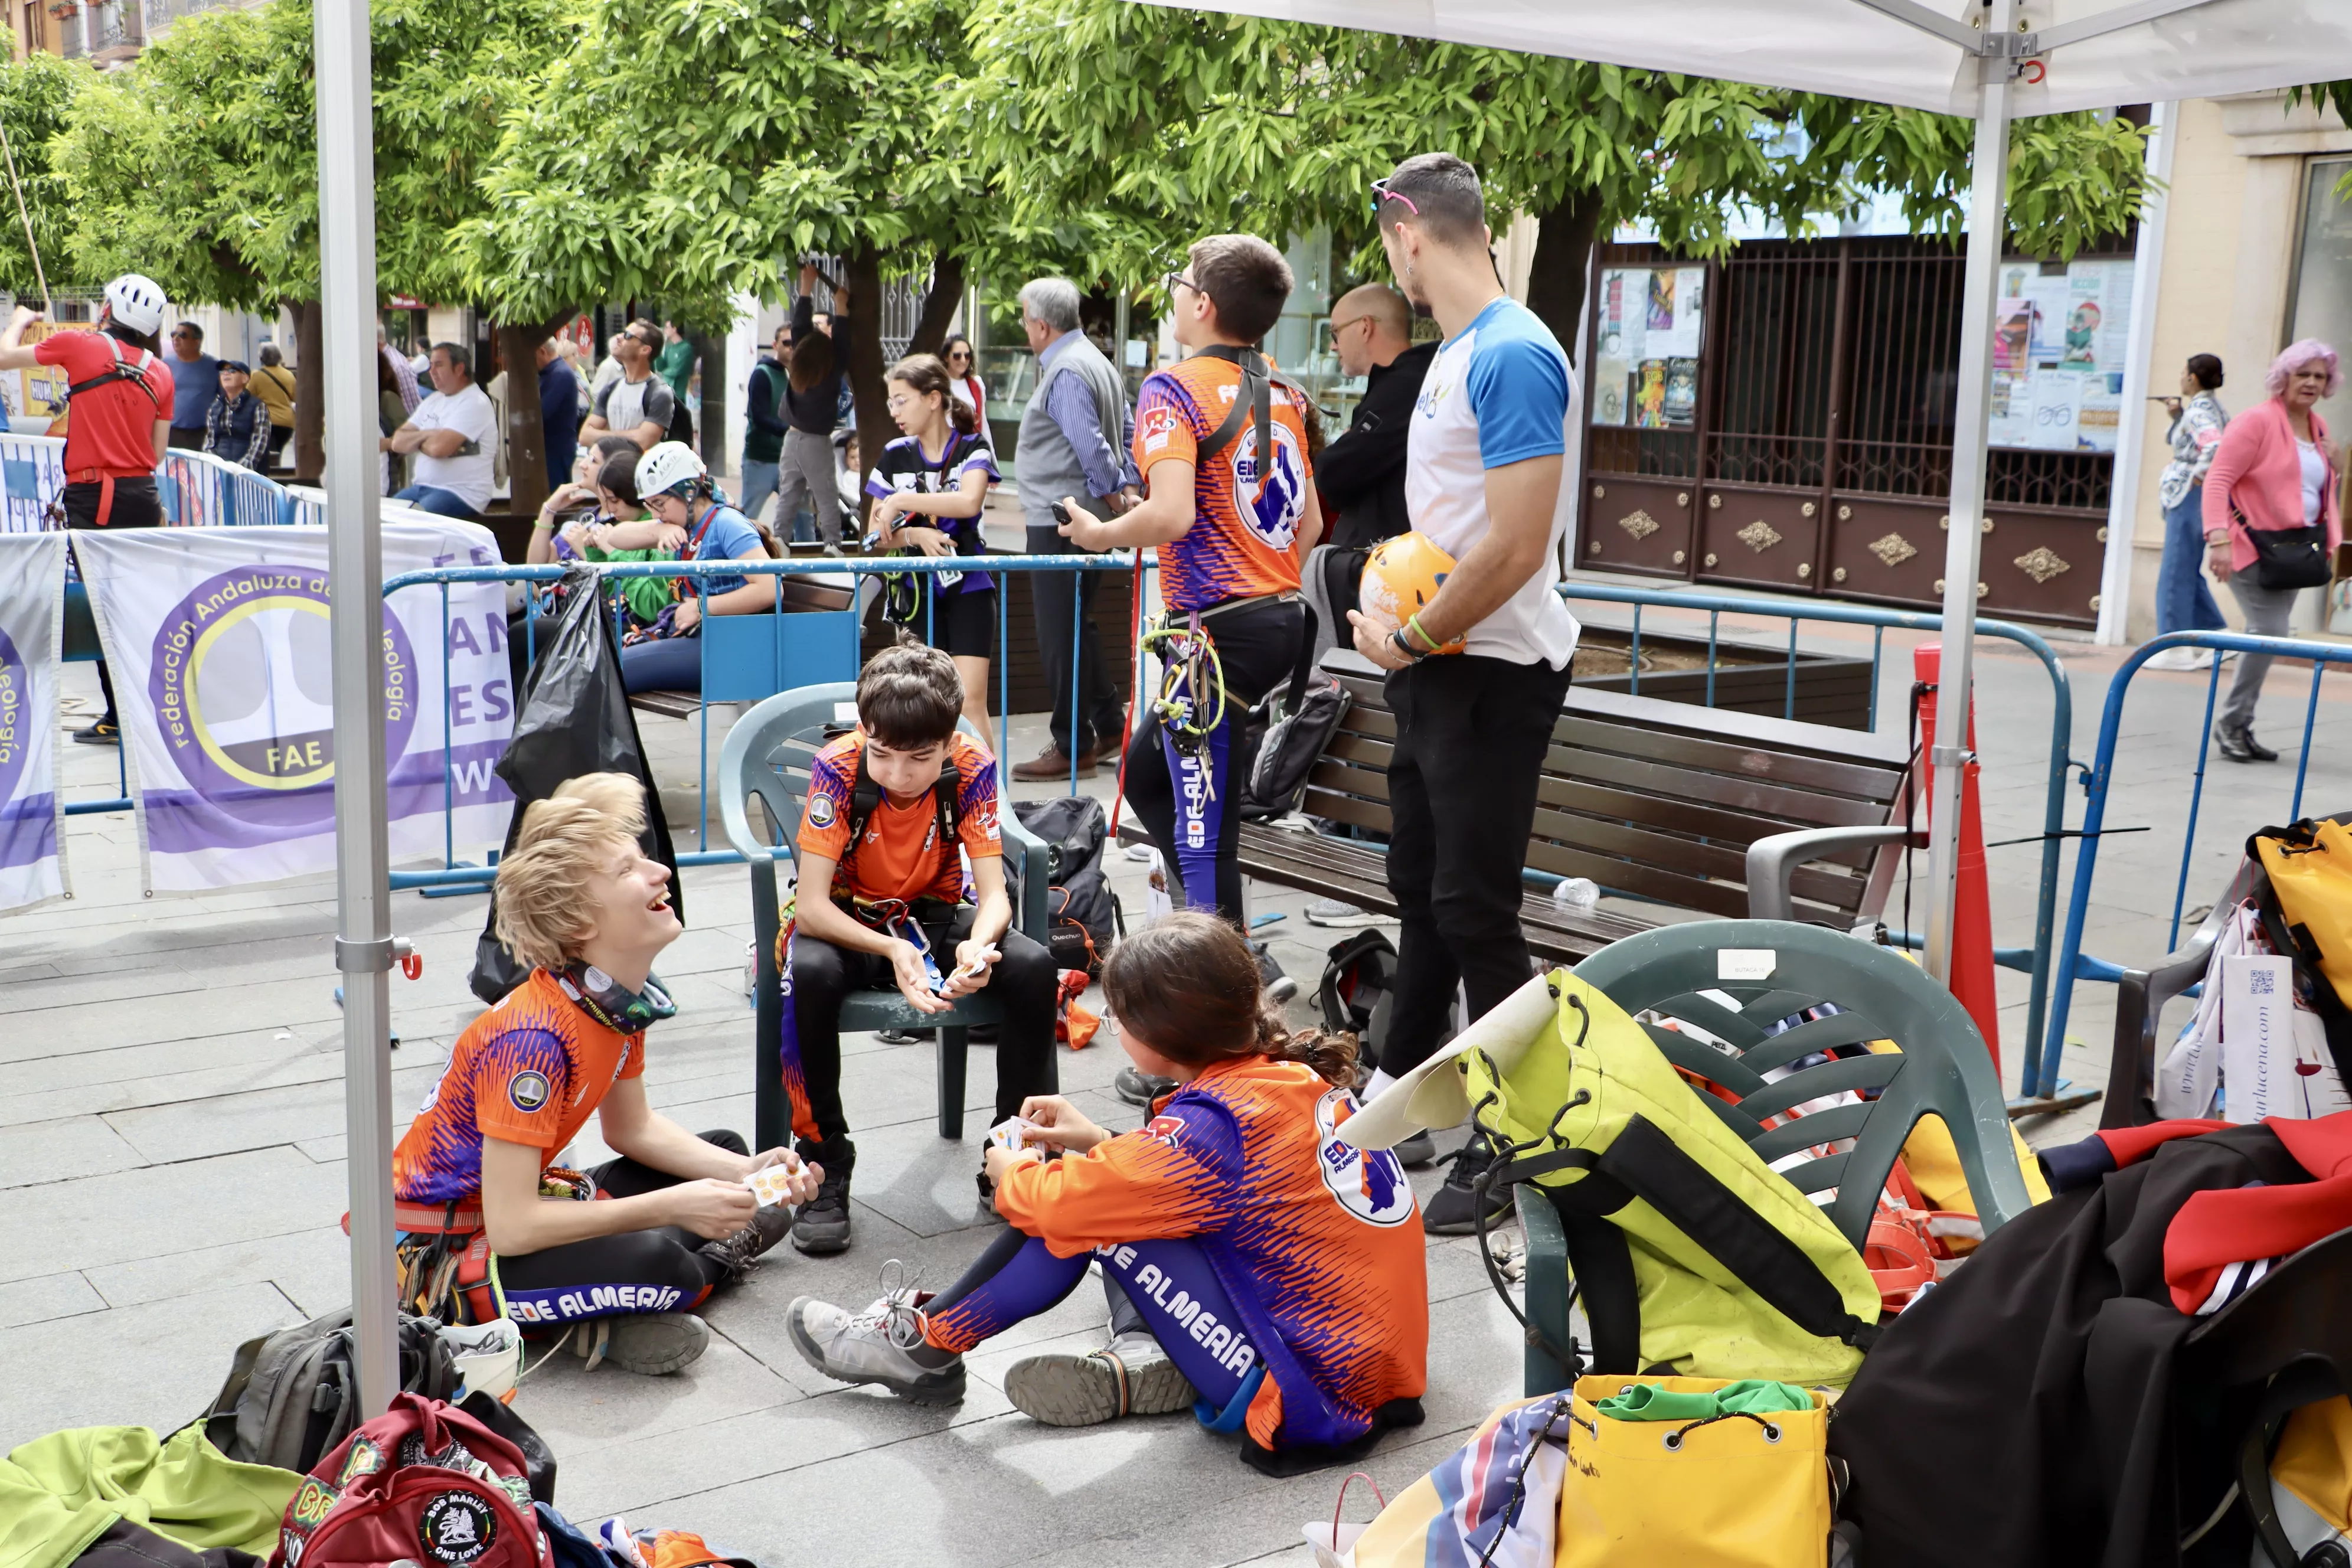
(820, 1225)
(1337, 914)
(2234, 742)
(1053, 762)
(102, 733)
(1453, 1208)
(1136, 1087)
(882, 1344)
(739, 1254)
(1418, 1152)
(1130, 1376)
(651, 1344)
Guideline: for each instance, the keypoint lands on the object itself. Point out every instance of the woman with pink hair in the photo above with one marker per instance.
(2271, 523)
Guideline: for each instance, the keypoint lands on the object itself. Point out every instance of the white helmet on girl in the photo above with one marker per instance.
(136, 301)
(669, 468)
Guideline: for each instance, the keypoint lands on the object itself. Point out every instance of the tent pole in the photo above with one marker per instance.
(364, 947)
(1971, 413)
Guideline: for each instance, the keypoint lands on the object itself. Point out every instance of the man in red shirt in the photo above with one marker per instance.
(119, 393)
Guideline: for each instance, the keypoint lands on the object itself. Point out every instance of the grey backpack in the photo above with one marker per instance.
(292, 1395)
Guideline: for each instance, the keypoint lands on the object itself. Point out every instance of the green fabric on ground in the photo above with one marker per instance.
(58, 1493)
(1748, 1396)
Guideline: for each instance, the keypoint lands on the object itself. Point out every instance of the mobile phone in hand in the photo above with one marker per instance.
(1061, 513)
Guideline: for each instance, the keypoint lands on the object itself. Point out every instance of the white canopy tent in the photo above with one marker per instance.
(1989, 59)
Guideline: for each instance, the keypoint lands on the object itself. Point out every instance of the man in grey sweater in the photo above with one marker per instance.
(1075, 441)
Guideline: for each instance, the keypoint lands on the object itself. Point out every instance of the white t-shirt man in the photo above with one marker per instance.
(1499, 391)
(467, 475)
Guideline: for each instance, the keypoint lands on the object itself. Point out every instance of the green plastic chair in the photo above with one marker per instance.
(767, 754)
(1944, 1069)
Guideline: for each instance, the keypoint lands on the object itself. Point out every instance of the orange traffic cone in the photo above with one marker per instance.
(1972, 980)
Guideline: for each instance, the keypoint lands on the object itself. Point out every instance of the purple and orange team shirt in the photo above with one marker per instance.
(1244, 535)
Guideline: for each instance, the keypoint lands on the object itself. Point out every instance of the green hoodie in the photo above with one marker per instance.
(61, 1492)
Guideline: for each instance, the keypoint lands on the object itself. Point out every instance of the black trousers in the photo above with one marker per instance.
(657, 1270)
(824, 976)
(1103, 717)
(1257, 649)
(135, 504)
(1470, 738)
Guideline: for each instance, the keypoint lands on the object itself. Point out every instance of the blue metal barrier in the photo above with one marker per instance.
(202, 490)
(32, 473)
(2100, 776)
(800, 654)
(2039, 1075)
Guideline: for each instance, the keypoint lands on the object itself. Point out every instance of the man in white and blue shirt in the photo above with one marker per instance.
(1484, 467)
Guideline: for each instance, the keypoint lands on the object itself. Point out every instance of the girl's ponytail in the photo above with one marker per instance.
(1188, 987)
(1332, 1056)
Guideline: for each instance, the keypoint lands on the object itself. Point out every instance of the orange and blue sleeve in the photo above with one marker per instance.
(521, 1078)
(1163, 425)
(825, 820)
(1161, 1181)
(977, 804)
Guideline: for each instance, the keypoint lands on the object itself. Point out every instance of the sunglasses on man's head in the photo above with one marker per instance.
(1381, 193)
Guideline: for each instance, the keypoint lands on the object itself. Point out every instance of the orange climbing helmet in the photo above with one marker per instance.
(1401, 576)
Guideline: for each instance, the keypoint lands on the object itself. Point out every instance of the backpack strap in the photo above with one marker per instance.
(1254, 401)
(866, 795)
(122, 369)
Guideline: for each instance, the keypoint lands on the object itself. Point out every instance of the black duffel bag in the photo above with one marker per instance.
(1078, 894)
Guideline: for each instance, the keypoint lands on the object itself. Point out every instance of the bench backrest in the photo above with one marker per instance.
(1657, 800)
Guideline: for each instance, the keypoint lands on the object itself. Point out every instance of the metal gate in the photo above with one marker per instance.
(1807, 444)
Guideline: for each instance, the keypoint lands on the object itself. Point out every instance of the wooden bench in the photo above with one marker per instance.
(1687, 809)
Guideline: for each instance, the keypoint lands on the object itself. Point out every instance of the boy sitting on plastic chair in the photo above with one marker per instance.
(1283, 1270)
(895, 809)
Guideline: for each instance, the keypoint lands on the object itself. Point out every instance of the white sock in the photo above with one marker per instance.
(1380, 1080)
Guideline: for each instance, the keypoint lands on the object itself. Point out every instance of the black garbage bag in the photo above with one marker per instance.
(574, 718)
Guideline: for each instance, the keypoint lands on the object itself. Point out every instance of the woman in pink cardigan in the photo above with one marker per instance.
(2274, 474)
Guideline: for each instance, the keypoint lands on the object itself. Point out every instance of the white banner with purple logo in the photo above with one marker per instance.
(217, 640)
(32, 813)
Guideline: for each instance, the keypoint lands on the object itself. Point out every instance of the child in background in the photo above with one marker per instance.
(1282, 1270)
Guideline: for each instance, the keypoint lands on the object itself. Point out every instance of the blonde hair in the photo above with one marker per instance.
(544, 907)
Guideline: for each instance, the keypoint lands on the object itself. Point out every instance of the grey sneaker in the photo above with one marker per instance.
(882, 1344)
(1336, 914)
(652, 1344)
(1417, 1152)
(739, 1254)
(1136, 1087)
(1130, 1376)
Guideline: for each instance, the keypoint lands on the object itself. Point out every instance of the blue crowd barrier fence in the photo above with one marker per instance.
(196, 488)
(2039, 1074)
(2098, 780)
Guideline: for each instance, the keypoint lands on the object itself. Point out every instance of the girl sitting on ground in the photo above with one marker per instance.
(1282, 1270)
(490, 1227)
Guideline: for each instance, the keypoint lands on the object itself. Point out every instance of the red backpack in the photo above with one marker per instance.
(422, 1481)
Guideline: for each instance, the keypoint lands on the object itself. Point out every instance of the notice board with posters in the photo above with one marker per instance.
(1645, 355)
(2058, 347)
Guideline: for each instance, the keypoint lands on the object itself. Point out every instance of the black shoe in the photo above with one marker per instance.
(2255, 748)
(1453, 1209)
(1140, 1087)
(1279, 987)
(1417, 1152)
(820, 1225)
(739, 1254)
(2234, 743)
(102, 733)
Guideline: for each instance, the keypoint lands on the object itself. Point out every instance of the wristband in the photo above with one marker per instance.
(1414, 622)
(1411, 654)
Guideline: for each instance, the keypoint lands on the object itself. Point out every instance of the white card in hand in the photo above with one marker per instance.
(1012, 1133)
(772, 1185)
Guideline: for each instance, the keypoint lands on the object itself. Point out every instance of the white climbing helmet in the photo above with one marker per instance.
(137, 302)
(669, 468)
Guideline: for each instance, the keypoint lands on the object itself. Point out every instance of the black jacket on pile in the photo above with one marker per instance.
(1360, 476)
(2023, 1413)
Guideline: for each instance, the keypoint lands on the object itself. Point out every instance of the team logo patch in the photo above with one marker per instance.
(456, 1527)
(1157, 426)
(820, 810)
(1168, 1130)
(1369, 1183)
(528, 1089)
(1270, 502)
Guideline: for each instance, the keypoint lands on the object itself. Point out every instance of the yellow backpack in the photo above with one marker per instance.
(2305, 905)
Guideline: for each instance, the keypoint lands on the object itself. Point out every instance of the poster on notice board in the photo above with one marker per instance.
(2058, 356)
(1645, 361)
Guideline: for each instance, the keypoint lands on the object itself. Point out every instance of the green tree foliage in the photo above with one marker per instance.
(199, 167)
(689, 146)
(1182, 122)
(37, 101)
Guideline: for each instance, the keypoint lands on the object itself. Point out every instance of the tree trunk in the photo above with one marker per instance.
(527, 487)
(939, 306)
(876, 429)
(310, 392)
(1562, 262)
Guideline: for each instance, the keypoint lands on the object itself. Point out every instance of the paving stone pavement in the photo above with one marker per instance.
(171, 1169)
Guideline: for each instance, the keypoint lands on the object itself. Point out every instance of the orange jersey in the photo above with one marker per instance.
(531, 1070)
(1319, 1245)
(900, 855)
(1244, 533)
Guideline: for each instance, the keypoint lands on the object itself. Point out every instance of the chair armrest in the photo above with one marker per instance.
(1028, 859)
(1773, 861)
(734, 800)
(1547, 1289)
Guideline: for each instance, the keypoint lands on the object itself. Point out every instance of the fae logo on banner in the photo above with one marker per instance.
(32, 590)
(232, 736)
